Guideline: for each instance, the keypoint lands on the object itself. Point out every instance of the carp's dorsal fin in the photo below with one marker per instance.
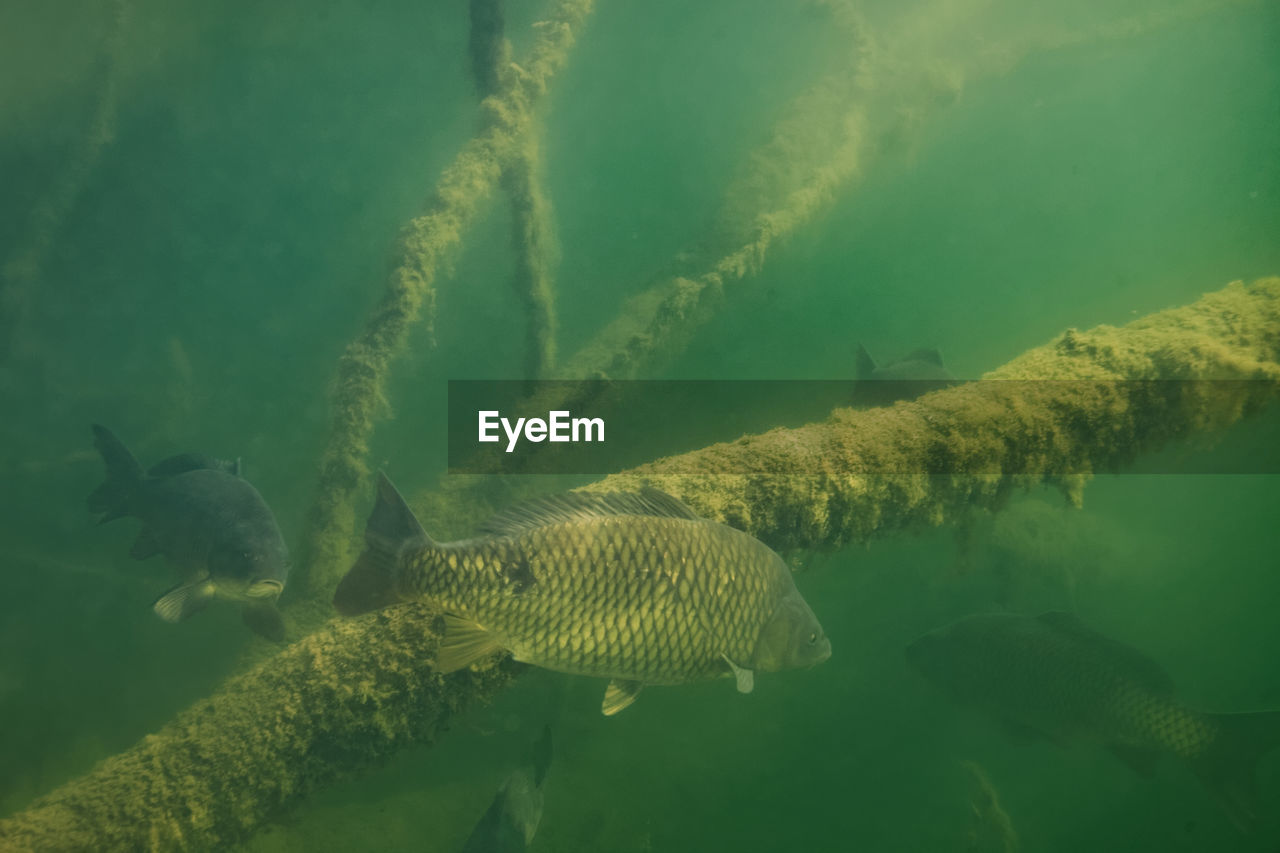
(620, 693)
(930, 355)
(581, 506)
(746, 678)
(464, 642)
(1132, 662)
(184, 599)
(864, 365)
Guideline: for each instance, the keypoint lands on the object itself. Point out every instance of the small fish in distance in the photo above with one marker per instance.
(1052, 676)
(916, 373)
(206, 521)
(509, 824)
(631, 587)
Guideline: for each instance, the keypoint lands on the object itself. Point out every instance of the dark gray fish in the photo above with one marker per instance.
(1053, 676)
(206, 521)
(509, 824)
(631, 587)
(918, 372)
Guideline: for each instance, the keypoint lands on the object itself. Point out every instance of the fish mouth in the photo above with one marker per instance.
(265, 589)
(825, 656)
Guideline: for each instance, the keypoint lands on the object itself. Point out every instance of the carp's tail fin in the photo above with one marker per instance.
(114, 497)
(1228, 767)
(373, 582)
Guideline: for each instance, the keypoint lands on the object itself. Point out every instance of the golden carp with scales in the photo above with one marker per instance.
(636, 588)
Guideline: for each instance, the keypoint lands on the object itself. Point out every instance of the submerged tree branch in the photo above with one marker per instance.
(1035, 421)
(365, 366)
(20, 275)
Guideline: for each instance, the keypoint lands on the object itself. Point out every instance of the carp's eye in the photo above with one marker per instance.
(813, 638)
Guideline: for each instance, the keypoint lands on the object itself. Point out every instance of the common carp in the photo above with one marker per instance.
(631, 587)
(207, 521)
(1054, 676)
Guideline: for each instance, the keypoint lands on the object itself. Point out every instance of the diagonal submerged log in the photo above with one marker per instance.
(342, 699)
(354, 692)
(1086, 402)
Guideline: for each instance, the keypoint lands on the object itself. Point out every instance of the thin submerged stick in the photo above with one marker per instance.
(533, 235)
(365, 365)
(20, 274)
(873, 105)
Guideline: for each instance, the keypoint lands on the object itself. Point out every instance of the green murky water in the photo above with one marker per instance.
(204, 265)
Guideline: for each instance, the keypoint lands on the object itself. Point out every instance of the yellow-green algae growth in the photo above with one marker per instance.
(338, 701)
(535, 245)
(351, 694)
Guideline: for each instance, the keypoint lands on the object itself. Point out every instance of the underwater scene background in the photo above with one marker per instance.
(201, 207)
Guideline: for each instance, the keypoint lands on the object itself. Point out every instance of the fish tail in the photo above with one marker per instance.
(1228, 767)
(374, 581)
(114, 497)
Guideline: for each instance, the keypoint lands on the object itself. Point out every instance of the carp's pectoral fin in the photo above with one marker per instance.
(265, 620)
(184, 599)
(620, 693)
(464, 642)
(746, 678)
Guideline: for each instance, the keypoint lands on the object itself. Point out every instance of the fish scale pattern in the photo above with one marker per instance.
(653, 599)
(1061, 683)
(1146, 719)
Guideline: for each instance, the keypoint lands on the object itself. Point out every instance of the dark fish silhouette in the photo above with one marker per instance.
(512, 819)
(631, 587)
(918, 372)
(205, 520)
(1055, 677)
